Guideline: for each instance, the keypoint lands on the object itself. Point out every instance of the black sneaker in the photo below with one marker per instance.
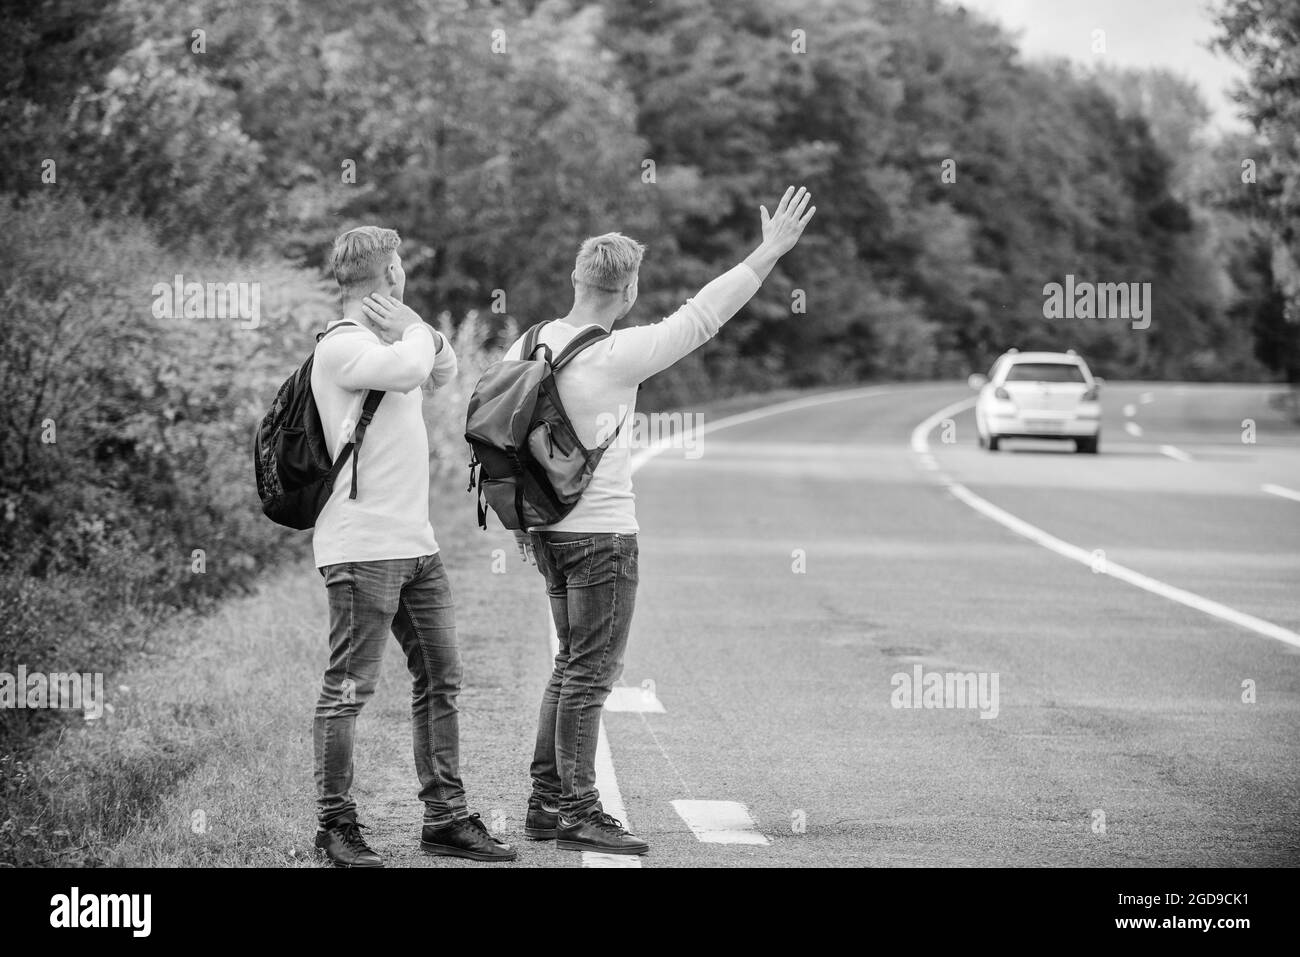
(598, 832)
(468, 838)
(343, 845)
(542, 821)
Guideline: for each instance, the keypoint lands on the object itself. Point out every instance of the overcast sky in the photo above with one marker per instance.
(1139, 33)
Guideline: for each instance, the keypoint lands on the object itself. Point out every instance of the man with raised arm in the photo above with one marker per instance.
(589, 558)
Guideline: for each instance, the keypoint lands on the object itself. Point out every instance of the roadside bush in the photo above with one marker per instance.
(126, 435)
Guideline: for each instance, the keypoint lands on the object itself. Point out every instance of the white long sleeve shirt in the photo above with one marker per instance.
(600, 385)
(389, 518)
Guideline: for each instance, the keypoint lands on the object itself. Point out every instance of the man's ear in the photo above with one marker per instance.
(390, 275)
(573, 278)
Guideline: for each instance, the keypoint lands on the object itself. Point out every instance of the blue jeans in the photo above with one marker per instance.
(411, 598)
(591, 580)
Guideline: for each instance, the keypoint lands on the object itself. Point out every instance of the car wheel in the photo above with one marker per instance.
(979, 437)
(1087, 446)
(993, 443)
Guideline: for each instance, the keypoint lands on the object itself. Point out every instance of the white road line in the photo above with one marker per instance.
(921, 443)
(1130, 411)
(1279, 490)
(1146, 398)
(1175, 453)
(720, 822)
(754, 415)
(1133, 429)
(626, 698)
(606, 782)
(921, 434)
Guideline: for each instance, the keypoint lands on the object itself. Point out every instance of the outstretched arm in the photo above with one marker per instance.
(642, 351)
(781, 230)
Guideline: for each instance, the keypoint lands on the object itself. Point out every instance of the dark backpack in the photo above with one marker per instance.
(295, 475)
(531, 467)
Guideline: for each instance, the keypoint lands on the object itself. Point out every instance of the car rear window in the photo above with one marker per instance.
(1045, 372)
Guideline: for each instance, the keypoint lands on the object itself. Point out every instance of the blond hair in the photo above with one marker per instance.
(361, 255)
(608, 262)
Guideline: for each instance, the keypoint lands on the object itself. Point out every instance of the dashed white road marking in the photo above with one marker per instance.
(921, 443)
(1146, 398)
(1130, 410)
(625, 698)
(720, 822)
(1175, 453)
(1133, 429)
(1281, 491)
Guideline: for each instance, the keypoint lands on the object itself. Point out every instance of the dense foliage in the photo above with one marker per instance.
(229, 140)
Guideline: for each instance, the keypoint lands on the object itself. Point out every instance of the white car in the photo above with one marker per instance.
(1038, 395)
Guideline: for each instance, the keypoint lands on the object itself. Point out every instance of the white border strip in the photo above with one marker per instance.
(720, 822)
(921, 444)
(1281, 491)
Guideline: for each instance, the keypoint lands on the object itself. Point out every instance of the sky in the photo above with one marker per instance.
(1138, 33)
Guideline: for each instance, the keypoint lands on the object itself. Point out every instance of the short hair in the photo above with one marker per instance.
(361, 255)
(608, 262)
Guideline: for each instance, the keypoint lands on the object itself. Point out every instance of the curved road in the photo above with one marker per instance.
(806, 558)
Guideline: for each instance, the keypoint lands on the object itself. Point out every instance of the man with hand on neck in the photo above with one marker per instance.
(379, 558)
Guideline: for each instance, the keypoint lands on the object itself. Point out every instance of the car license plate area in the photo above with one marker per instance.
(1043, 425)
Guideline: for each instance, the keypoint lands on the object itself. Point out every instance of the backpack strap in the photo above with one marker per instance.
(338, 325)
(531, 338)
(353, 448)
(587, 337)
(368, 407)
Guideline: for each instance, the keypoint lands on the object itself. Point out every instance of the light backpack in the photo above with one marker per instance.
(531, 467)
(291, 457)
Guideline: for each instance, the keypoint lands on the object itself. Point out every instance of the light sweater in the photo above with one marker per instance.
(600, 385)
(389, 518)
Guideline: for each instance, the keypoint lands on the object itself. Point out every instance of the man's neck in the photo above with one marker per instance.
(583, 315)
(352, 308)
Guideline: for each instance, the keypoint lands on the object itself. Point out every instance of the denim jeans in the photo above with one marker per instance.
(591, 580)
(411, 598)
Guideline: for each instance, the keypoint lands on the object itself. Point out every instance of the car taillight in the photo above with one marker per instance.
(1090, 395)
(1001, 393)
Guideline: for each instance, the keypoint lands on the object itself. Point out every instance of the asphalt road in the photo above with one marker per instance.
(1116, 706)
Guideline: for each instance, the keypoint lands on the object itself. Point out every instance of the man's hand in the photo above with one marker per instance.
(781, 230)
(388, 317)
(524, 542)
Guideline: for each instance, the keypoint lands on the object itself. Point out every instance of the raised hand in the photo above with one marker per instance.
(782, 229)
(389, 317)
